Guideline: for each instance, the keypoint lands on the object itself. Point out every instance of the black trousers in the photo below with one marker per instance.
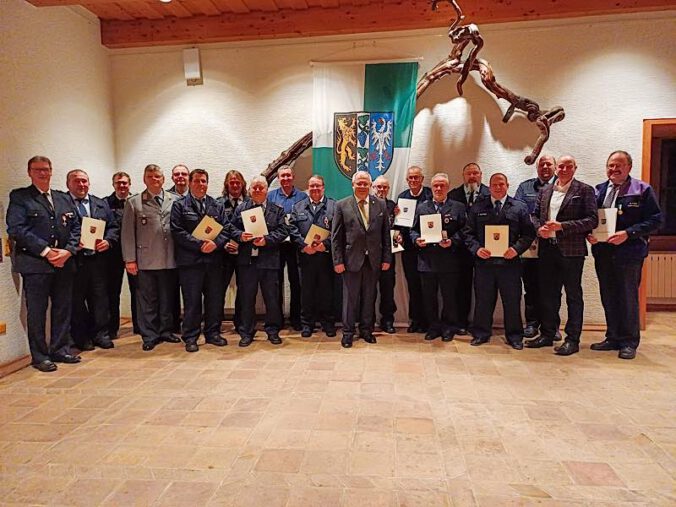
(316, 272)
(489, 278)
(230, 269)
(90, 320)
(386, 283)
(115, 271)
(202, 282)
(432, 284)
(155, 299)
(557, 272)
(531, 289)
(39, 289)
(464, 290)
(288, 254)
(249, 278)
(619, 283)
(175, 302)
(359, 299)
(416, 309)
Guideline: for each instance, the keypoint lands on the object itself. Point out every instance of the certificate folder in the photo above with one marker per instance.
(497, 239)
(207, 229)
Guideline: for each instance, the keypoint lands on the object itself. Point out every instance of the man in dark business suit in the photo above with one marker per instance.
(498, 271)
(361, 250)
(258, 264)
(316, 268)
(471, 191)
(619, 260)
(199, 262)
(115, 263)
(91, 315)
(387, 279)
(45, 228)
(564, 215)
(440, 263)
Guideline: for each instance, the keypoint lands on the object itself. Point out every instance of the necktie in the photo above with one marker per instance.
(608, 202)
(470, 200)
(364, 213)
(159, 200)
(498, 207)
(200, 204)
(81, 208)
(49, 203)
(437, 206)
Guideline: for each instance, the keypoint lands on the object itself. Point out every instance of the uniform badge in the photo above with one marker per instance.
(144, 221)
(447, 220)
(326, 222)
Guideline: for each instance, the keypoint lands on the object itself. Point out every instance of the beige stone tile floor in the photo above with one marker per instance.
(400, 423)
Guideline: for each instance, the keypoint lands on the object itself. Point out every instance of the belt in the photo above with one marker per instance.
(549, 241)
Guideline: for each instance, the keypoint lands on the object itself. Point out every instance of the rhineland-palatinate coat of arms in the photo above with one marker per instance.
(363, 142)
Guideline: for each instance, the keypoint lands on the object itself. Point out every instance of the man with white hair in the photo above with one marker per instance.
(360, 239)
(258, 262)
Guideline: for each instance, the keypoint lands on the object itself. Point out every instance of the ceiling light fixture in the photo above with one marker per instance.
(165, 1)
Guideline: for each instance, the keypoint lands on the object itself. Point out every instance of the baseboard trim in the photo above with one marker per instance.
(15, 365)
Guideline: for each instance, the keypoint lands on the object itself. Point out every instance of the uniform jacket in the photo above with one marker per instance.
(146, 232)
(33, 226)
(578, 216)
(278, 197)
(433, 258)
(425, 195)
(268, 256)
(303, 218)
(638, 213)
(351, 239)
(185, 217)
(528, 192)
(458, 194)
(513, 213)
(117, 207)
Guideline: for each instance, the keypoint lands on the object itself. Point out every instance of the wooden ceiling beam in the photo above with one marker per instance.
(374, 17)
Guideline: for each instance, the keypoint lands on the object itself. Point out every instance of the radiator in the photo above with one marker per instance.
(661, 277)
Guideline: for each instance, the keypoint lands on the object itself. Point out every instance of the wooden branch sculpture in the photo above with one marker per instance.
(461, 36)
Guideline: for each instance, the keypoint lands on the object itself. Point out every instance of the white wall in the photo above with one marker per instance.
(54, 100)
(609, 73)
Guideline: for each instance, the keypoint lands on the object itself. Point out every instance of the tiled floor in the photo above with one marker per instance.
(403, 422)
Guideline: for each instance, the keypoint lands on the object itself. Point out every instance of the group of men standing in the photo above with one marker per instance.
(150, 235)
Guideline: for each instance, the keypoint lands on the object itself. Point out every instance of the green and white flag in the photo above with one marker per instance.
(362, 120)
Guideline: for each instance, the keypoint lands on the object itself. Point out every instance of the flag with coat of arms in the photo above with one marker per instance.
(362, 121)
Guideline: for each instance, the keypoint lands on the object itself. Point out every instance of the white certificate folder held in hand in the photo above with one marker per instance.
(316, 235)
(254, 222)
(607, 224)
(207, 229)
(93, 230)
(497, 239)
(430, 228)
(406, 212)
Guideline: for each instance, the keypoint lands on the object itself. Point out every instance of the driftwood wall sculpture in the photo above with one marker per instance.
(457, 63)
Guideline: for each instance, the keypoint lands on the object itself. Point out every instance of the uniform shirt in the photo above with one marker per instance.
(528, 191)
(286, 202)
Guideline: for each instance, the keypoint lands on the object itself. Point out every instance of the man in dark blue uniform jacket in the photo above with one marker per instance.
(316, 268)
(199, 262)
(440, 264)
(387, 279)
(45, 228)
(91, 315)
(498, 270)
(619, 261)
(258, 264)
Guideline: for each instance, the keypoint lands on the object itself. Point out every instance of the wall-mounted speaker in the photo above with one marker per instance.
(192, 67)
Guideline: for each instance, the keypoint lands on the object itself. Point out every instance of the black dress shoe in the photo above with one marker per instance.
(274, 339)
(105, 344)
(191, 347)
(605, 345)
(388, 328)
(45, 366)
(245, 341)
(346, 342)
(627, 353)
(447, 336)
(557, 336)
(330, 332)
(539, 342)
(412, 328)
(172, 338)
(478, 341)
(149, 345)
(530, 331)
(432, 335)
(306, 332)
(516, 345)
(66, 358)
(567, 349)
(218, 341)
(462, 332)
(369, 338)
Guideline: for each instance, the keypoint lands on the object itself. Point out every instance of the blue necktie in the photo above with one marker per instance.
(498, 207)
(81, 208)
